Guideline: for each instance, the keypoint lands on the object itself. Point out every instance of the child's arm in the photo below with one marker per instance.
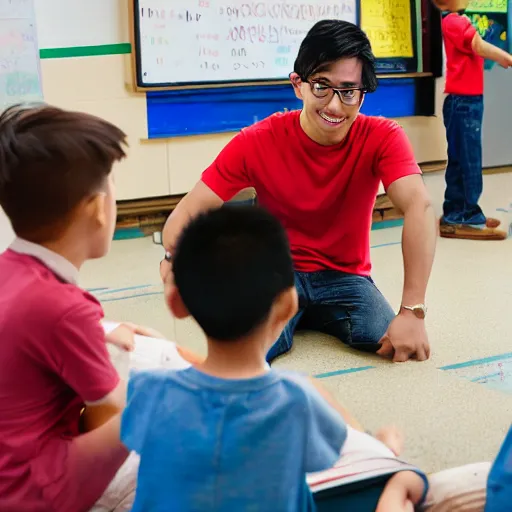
(349, 419)
(403, 491)
(97, 414)
(491, 52)
(123, 335)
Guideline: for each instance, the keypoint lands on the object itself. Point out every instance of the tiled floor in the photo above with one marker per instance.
(450, 414)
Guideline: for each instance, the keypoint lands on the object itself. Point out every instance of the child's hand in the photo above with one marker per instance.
(123, 337)
(145, 331)
(392, 438)
(506, 62)
(401, 493)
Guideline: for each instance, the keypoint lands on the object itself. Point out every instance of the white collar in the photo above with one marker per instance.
(55, 262)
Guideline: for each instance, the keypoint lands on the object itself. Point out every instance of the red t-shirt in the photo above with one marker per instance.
(53, 358)
(464, 68)
(323, 195)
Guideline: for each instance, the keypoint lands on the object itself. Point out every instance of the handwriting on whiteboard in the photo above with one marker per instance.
(188, 41)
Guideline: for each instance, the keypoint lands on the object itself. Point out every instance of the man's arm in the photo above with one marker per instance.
(406, 336)
(220, 182)
(419, 235)
(200, 199)
(491, 52)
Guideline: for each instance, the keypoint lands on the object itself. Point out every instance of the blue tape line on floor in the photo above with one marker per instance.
(108, 291)
(132, 296)
(343, 372)
(385, 245)
(476, 362)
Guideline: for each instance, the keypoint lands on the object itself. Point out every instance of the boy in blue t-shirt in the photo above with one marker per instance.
(230, 434)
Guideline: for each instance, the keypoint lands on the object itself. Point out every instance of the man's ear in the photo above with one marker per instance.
(297, 85)
(175, 303)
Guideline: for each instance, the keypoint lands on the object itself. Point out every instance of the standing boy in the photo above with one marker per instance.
(463, 114)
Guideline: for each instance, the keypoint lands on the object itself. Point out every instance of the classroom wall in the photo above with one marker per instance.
(96, 83)
(497, 147)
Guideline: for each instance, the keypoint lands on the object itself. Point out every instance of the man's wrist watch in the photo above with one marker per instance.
(419, 310)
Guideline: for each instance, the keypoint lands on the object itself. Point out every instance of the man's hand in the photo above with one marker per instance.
(406, 338)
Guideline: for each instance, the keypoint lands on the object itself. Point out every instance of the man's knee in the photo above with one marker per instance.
(370, 319)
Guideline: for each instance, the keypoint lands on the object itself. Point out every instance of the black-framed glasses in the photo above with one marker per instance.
(349, 96)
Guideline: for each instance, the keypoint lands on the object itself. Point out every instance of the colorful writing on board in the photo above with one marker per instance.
(206, 41)
(388, 25)
(490, 18)
(481, 6)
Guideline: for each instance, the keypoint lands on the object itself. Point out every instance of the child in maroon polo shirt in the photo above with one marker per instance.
(463, 114)
(57, 189)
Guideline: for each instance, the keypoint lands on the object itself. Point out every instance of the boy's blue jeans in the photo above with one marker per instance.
(346, 306)
(463, 117)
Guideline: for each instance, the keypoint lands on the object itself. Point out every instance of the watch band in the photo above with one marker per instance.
(419, 310)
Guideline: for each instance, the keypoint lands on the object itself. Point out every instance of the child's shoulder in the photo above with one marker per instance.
(455, 20)
(29, 289)
(297, 384)
(153, 380)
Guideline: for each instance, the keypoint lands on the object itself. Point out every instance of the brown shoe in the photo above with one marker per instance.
(465, 232)
(492, 223)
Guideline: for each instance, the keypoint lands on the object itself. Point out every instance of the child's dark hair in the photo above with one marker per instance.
(331, 40)
(51, 160)
(229, 267)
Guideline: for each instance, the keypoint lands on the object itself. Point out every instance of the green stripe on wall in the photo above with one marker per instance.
(85, 51)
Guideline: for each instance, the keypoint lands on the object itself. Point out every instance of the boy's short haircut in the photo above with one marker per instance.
(51, 160)
(332, 40)
(229, 267)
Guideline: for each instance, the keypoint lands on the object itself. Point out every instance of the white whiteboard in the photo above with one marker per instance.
(187, 42)
(20, 77)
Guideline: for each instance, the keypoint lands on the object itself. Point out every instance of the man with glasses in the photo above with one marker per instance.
(318, 171)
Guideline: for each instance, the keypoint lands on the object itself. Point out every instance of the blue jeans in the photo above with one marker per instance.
(346, 306)
(463, 117)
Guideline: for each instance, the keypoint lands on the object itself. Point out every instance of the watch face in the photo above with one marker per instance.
(419, 312)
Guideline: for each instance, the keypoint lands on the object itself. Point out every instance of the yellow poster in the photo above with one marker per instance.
(388, 25)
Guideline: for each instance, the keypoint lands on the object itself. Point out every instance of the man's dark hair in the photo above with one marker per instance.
(229, 266)
(50, 161)
(331, 40)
